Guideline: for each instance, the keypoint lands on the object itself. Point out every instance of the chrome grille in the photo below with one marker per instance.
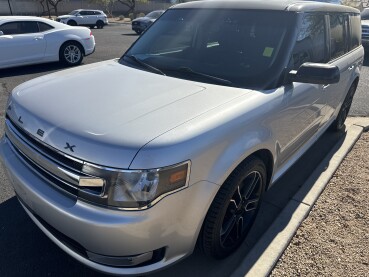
(57, 168)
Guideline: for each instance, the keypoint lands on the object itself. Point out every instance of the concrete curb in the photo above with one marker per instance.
(264, 255)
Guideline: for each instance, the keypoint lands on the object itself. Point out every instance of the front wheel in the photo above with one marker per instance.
(71, 53)
(72, 23)
(99, 24)
(234, 209)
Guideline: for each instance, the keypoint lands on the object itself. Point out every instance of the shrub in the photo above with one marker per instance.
(121, 17)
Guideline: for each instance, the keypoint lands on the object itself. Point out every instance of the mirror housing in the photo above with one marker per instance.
(1, 33)
(315, 73)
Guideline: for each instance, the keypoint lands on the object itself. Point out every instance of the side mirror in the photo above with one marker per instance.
(1, 33)
(315, 73)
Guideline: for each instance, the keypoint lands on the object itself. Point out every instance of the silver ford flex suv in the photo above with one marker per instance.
(174, 144)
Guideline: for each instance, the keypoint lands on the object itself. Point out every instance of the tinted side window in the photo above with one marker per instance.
(11, 28)
(16, 28)
(338, 38)
(44, 27)
(310, 45)
(355, 24)
(83, 12)
(29, 27)
(97, 13)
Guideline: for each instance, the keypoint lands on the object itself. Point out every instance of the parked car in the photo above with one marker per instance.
(142, 23)
(91, 18)
(365, 28)
(195, 122)
(30, 40)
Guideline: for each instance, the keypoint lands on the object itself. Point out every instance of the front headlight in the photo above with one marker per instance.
(134, 189)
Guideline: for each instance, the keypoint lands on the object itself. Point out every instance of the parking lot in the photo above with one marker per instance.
(25, 250)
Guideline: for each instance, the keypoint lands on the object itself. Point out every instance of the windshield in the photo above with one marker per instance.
(154, 14)
(73, 12)
(365, 14)
(240, 47)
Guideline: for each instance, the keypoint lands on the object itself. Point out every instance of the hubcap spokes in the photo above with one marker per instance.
(72, 54)
(241, 210)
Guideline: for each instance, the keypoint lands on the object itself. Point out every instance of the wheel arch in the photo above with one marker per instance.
(74, 41)
(267, 158)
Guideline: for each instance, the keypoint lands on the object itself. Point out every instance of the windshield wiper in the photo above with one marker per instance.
(140, 62)
(210, 77)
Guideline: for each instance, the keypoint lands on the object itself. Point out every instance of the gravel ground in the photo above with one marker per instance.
(334, 239)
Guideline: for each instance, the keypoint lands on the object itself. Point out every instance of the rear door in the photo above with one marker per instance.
(346, 54)
(22, 43)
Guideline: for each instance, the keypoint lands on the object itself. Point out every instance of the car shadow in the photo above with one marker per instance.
(31, 69)
(131, 35)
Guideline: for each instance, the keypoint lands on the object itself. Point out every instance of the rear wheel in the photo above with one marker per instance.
(234, 209)
(71, 53)
(339, 123)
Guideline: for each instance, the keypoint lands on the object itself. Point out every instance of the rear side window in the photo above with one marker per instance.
(44, 27)
(310, 45)
(97, 13)
(338, 34)
(355, 24)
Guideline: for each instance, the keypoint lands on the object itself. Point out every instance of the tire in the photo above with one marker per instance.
(339, 123)
(99, 24)
(72, 23)
(234, 209)
(71, 53)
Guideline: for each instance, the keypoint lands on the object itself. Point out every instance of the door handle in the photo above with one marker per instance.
(351, 67)
(38, 38)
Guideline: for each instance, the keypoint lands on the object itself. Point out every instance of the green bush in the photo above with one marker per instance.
(121, 17)
(140, 15)
(131, 16)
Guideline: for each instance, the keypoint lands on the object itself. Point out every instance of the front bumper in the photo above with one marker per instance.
(164, 234)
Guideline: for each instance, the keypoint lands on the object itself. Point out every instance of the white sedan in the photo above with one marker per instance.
(31, 40)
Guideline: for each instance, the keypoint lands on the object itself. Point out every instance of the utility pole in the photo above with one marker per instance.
(10, 8)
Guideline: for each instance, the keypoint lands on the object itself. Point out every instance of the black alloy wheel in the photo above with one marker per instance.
(234, 209)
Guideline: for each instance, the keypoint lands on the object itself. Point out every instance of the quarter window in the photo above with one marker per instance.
(355, 31)
(44, 27)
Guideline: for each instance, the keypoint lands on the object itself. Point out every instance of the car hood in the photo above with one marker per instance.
(144, 19)
(107, 110)
(65, 16)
